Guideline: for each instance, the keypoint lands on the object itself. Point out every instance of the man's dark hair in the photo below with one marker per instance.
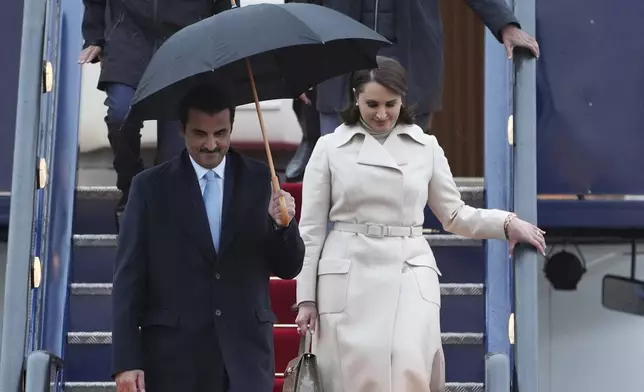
(208, 99)
(389, 74)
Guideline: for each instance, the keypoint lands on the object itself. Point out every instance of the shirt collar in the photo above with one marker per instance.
(201, 171)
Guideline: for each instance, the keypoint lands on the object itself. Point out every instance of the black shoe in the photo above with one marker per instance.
(117, 219)
(295, 169)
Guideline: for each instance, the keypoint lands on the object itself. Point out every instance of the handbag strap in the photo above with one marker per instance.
(305, 343)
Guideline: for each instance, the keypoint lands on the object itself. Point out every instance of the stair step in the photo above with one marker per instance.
(458, 264)
(95, 207)
(450, 338)
(111, 387)
(88, 355)
(462, 310)
(286, 341)
(434, 240)
(468, 193)
(92, 362)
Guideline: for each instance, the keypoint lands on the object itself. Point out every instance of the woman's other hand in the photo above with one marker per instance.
(520, 231)
(307, 316)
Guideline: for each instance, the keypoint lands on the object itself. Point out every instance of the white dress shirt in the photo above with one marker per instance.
(219, 170)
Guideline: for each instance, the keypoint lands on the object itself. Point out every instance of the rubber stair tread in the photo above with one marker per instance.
(286, 341)
(111, 387)
(112, 193)
(100, 337)
(109, 240)
(445, 288)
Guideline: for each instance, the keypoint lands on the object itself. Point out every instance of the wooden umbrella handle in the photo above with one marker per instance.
(283, 209)
(267, 147)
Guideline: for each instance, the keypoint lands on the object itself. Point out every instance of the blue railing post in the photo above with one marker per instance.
(497, 373)
(23, 188)
(497, 153)
(525, 202)
(41, 366)
(58, 245)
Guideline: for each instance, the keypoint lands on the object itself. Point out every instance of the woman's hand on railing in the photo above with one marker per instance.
(520, 231)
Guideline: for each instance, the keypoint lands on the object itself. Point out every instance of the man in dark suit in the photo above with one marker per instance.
(194, 261)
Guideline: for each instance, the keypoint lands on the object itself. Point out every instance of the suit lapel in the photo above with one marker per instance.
(188, 206)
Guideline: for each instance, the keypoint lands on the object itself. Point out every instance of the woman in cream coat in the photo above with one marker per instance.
(373, 278)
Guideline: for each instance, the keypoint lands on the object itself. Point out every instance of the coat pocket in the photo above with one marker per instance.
(265, 315)
(160, 340)
(426, 273)
(333, 285)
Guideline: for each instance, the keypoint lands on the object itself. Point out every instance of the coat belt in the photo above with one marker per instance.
(379, 231)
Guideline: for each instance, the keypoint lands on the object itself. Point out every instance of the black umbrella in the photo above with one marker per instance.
(291, 47)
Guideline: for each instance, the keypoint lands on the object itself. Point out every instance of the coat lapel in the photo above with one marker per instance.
(188, 206)
(393, 153)
(374, 154)
(402, 138)
(396, 147)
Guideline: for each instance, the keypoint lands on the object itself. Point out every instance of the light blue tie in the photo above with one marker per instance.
(211, 198)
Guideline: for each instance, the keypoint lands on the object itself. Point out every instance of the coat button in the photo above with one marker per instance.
(217, 312)
(217, 276)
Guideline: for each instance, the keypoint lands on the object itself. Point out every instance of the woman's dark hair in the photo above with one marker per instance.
(389, 74)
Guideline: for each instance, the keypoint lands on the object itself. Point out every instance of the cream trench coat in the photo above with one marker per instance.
(379, 297)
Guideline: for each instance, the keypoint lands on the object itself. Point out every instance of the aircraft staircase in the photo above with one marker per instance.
(87, 358)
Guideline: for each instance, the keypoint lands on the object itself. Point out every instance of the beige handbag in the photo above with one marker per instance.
(302, 374)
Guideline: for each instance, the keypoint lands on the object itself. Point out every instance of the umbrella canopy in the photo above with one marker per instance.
(291, 48)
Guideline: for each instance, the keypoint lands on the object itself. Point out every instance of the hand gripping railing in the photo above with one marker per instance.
(43, 372)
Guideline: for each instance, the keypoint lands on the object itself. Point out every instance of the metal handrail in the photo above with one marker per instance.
(526, 265)
(23, 190)
(57, 242)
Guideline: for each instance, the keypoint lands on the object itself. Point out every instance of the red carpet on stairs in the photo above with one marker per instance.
(282, 299)
(279, 383)
(286, 344)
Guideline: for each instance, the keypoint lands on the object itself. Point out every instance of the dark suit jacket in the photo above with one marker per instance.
(197, 310)
(416, 31)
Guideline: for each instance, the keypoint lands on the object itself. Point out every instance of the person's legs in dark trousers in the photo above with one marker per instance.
(125, 140)
(309, 120)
